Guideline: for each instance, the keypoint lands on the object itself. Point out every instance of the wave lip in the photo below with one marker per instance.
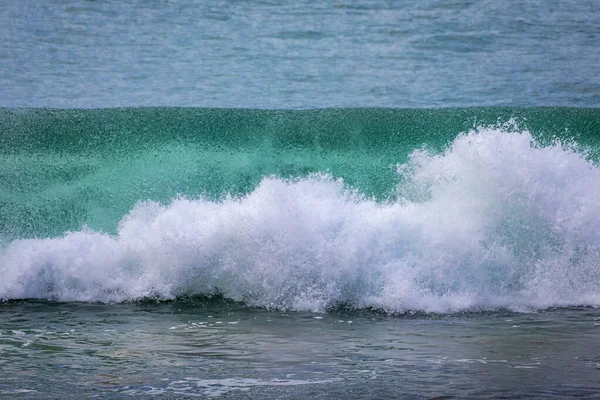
(494, 221)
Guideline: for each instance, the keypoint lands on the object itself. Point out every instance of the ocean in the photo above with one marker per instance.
(270, 199)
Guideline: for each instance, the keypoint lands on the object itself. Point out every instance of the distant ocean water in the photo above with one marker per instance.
(299, 54)
(304, 200)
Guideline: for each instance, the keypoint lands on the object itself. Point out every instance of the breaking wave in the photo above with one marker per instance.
(496, 220)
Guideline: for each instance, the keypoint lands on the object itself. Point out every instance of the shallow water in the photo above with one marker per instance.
(212, 349)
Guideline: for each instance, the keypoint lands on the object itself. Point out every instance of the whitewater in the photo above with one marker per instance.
(495, 220)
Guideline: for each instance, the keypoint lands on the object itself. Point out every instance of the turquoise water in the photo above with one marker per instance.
(385, 209)
(77, 167)
(293, 200)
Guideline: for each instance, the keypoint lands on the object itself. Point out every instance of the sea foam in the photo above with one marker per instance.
(494, 221)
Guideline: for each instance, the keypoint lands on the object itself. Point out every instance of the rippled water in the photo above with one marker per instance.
(208, 349)
(299, 54)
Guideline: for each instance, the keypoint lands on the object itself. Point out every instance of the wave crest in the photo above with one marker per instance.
(494, 221)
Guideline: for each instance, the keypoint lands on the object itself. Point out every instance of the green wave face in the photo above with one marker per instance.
(424, 210)
(62, 169)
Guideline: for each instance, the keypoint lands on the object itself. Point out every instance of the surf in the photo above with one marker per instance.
(498, 218)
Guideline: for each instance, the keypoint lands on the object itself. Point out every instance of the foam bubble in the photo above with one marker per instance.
(494, 221)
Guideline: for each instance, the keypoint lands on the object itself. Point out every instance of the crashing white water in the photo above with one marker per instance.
(495, 221)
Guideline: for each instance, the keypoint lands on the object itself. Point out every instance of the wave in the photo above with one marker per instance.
(497, 219)
(62, 169)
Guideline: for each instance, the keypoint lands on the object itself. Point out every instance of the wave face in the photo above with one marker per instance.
(307, 210)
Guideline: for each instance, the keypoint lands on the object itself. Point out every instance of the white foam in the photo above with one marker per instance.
(196, 387)
(494, 221)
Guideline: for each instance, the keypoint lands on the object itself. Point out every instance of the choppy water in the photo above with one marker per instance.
(256, 250)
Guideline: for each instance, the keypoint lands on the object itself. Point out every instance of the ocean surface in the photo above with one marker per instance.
(299, 54)
(269, 199)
